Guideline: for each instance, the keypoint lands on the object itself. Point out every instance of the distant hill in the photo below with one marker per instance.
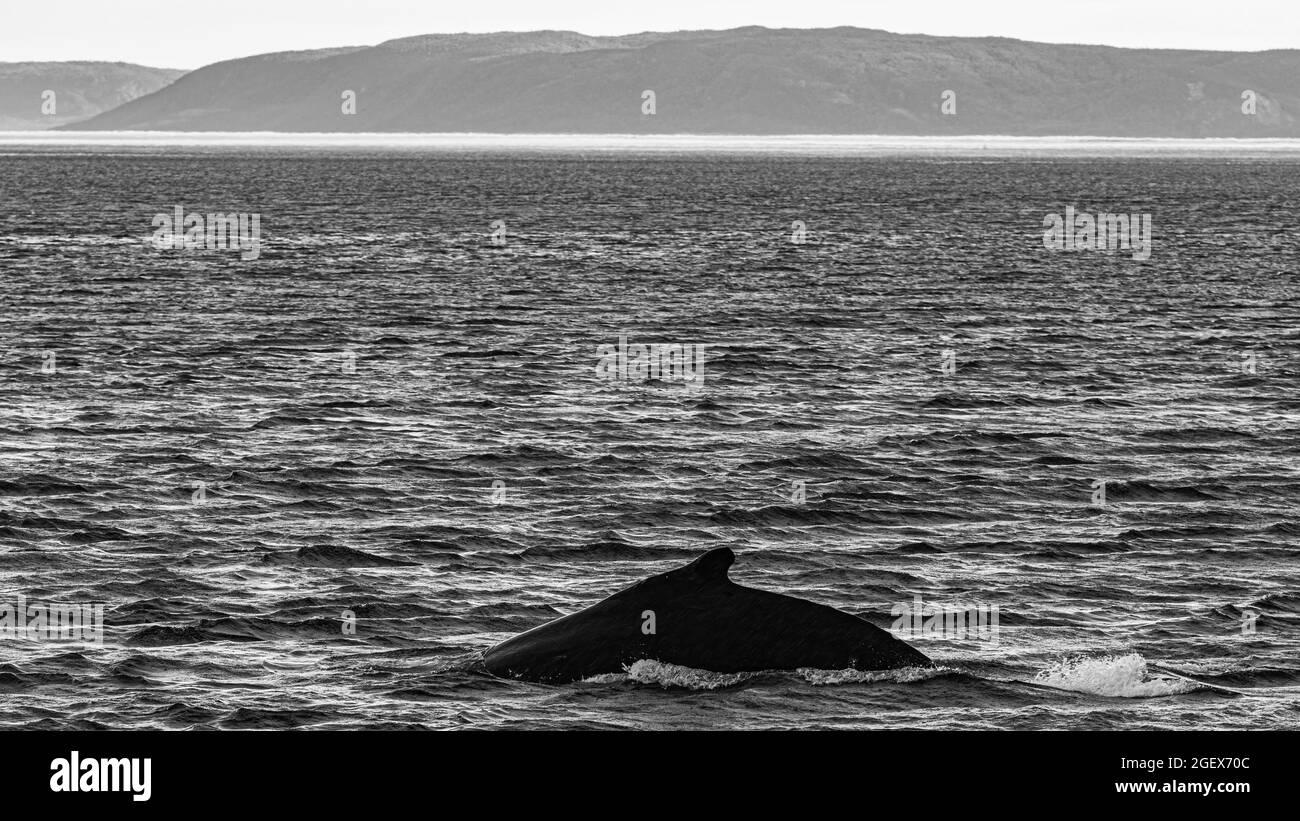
(81, 90)
(748, 80)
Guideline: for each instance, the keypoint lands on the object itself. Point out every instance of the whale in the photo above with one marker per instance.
(695, 616)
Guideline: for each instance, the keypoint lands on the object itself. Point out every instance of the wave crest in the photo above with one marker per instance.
(1116, 676)
(649, 671)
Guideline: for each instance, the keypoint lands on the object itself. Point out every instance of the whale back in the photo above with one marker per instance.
(695, 616)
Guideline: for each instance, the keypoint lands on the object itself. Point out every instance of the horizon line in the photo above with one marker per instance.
(841, 145)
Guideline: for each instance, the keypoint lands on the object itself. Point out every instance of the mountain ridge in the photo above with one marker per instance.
(749, 80)
(81, 89)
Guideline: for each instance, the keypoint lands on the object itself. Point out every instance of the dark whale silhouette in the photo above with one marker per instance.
(695, 616)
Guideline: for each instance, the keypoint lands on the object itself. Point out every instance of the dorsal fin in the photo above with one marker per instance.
(712, 566)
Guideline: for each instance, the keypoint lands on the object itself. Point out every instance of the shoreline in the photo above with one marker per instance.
(833, 145)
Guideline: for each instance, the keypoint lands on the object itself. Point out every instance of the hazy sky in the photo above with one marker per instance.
(189, 35)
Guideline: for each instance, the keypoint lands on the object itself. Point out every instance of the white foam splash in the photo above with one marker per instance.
(903, 675)
(649, 671)
(1118, 676)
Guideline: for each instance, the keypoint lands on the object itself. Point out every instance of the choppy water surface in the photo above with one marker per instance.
(392, 416)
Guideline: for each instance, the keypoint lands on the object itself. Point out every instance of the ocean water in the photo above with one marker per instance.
(311, 488)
